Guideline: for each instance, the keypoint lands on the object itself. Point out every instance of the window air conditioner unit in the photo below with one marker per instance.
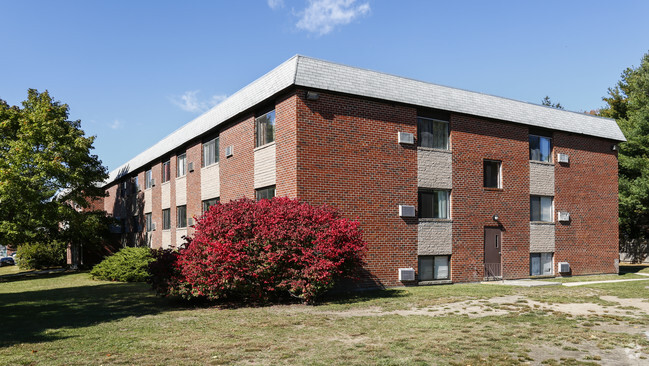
(563, 158)
(153, 226)
(564, 216)
(152, 182)
(228, 151)
(406, 274)
(406, 138)
(190, 221)
(406, 211)
(190, 166)
(564, 267)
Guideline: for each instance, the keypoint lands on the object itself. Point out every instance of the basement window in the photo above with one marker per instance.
(265, 129)
(541, 208)
(541, 264)
(433, 268)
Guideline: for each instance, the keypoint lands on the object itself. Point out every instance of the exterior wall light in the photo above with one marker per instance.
(495, 217)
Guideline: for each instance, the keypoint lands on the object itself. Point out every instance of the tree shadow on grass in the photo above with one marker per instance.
(359, 296)
(26, 316)
(632, 268)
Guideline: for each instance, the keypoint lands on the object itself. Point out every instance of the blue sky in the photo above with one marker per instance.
(135, 71)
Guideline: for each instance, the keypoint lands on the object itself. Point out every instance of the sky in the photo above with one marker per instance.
(135, 71)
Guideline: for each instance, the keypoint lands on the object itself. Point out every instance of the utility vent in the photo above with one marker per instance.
(190, 166)
(406, 211)
(406, 138)
(228, 151)
(190, 221)
(563, 158)
(564, 216)
(406, 274)
(564, 267)
(153, 226)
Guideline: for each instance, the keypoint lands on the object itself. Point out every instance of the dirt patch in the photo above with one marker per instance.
(587, 353)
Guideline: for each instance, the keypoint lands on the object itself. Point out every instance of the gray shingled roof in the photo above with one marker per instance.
(312, 73)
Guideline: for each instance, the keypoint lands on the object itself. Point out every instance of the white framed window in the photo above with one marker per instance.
(432, 133)
(136, 184)
(181, 216)
(148, 179)
(541, 264)
(434, 204)
(166, 171)
(166, 219)
(492, 174)
(209, 203)
(541, 208)
(434, 267)
(540, 148)
(265, 193)
(265, 129)
(181, 165)
(211, 152)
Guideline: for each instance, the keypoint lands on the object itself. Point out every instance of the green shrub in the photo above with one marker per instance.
(127, 265)
(40, 255)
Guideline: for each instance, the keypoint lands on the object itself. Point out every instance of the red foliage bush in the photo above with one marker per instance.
(263, 251)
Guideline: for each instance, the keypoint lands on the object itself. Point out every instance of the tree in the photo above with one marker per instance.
(45, 164)
(628, 104)
(547, 102)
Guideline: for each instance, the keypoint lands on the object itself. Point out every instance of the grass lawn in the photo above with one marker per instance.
(69, 319)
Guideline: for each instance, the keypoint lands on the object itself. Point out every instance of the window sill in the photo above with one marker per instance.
(181, 177)
(492, 189)
(213, 165)
(446, 151)
(434, 282)
(542, 223)
(431, 219)
(182, 228)
(263, 146)
(167, 182)
(539, 162)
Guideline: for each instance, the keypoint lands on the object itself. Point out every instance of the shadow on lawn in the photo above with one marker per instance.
(27, 315)
(632, 268)
(361, 296)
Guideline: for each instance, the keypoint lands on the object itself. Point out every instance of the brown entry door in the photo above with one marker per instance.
(492, 249)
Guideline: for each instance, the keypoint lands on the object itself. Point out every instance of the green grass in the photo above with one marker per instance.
(605, 277)
(69, 319)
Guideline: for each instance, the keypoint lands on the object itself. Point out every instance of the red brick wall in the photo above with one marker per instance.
(473, 207)
(349, 158)
(156, 204)
(587, 189)
(172, 200)
(286, 146)
(237, 171)
(194, 203)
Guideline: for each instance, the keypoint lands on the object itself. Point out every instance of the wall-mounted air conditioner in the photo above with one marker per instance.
(406, 274)
(229, 151)
(564, 267)
(190, 166)
(406, 138)
(153, 226)
(152, 182)
(406, 211)
(190, 221)
(563, 216)
(563, 158)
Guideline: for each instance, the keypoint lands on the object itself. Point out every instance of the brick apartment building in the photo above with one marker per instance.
(456, 185)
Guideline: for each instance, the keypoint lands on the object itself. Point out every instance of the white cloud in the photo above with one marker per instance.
(190, 102)
(322, 16)
(275, 4)
(116, 124)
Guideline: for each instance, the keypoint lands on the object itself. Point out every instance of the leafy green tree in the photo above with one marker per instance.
(547, 102)
(628, 103)
(45, 164)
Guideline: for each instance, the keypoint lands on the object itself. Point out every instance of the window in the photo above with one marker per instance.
(265, 129)
(540, 148)
(492, 174)
(166, 171)
(432, 133)
(181, 165)
(166, 219)
(181, 216)
(136, 184)
(148, 179)
(149, 221)
(541, 208)
(434, 204)
(209, 203)
(211, 152)
(122, 188)
(265, 193)
(434, 268)
(541, 264)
